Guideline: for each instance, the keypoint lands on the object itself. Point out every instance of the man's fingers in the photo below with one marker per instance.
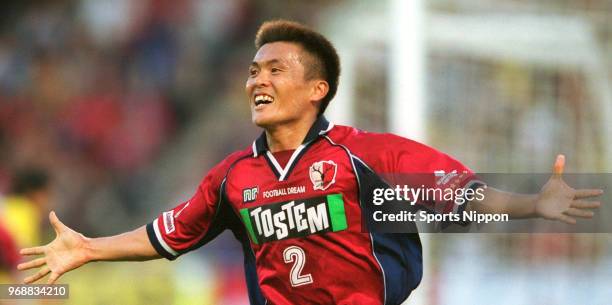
(42, 272)
(567, 219)
(579, 213)
(53, 277)
(585, 204)
(585, 193)
(32, 264)
(58, 226)
(33, 251)
(559, 166)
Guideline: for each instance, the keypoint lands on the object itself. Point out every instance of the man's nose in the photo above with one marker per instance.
(262, 79)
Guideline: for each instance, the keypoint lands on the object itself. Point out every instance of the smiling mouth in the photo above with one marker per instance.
(263, 99)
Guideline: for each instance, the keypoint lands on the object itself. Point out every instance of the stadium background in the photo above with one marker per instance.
(127, 104)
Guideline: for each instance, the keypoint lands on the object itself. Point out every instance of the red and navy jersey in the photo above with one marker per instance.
(300, 224)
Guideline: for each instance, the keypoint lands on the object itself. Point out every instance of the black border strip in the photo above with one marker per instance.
(271, 166)
(158, 247)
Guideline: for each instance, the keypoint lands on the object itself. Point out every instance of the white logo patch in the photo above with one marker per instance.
(169, 221)
(444, 178)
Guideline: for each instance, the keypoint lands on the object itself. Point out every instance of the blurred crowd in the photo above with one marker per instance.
(93, 90)
(93, 94)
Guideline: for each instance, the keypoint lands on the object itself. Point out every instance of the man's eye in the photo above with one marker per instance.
(252, 72)
(275, 70)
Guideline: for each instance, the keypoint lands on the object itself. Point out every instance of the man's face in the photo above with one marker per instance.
(277, 89)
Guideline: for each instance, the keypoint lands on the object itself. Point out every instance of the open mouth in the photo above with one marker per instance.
(262, 99)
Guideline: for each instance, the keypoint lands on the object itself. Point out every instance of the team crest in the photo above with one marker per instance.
(323, 174)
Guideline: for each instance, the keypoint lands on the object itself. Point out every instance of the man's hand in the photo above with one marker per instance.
(559, 201)
(66, 252)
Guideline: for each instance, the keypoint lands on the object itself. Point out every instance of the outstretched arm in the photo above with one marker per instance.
(556, 200)
(70, 250)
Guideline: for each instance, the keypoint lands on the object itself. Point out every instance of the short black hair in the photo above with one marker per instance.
(326, 61)
(27, 180)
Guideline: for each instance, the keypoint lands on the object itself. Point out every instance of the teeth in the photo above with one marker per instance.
(263, 98)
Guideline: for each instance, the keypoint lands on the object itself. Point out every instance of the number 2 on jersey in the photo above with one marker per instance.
(297, 256)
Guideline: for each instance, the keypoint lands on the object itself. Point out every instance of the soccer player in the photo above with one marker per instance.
(294, 197)
(25, 206)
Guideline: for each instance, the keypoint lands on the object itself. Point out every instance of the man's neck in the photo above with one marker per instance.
(288, 136)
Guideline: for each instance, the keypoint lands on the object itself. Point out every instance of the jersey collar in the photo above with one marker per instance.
(320, 127)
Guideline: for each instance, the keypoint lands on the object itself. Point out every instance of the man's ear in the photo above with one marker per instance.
(319, 90)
